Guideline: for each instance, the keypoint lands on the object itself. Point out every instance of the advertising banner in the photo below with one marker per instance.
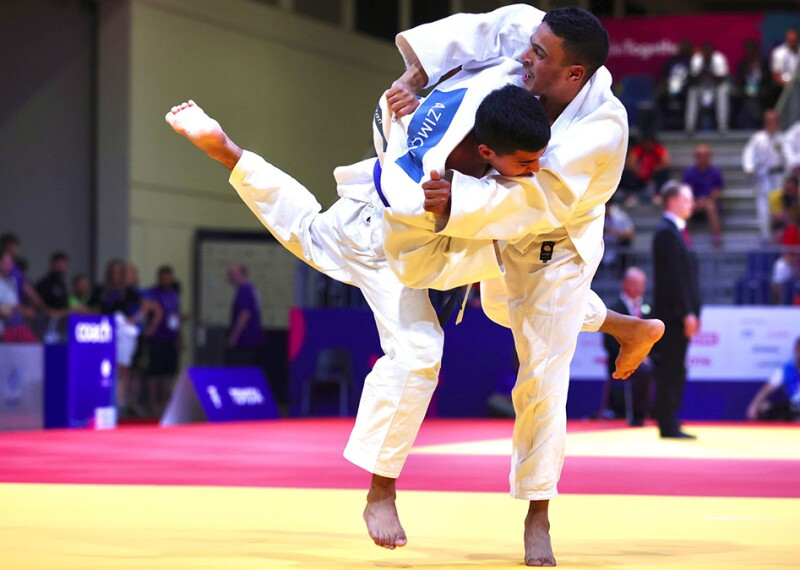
(218, 394)
(642, 45)
(734, 344)
(21, 380)
(79, 375)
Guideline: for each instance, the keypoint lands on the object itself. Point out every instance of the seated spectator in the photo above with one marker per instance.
(647, 167)
(630, 302)
(673, 85)
(791, 233)
(785, 269)
(783, 64)
(709, 86)
(752, 84)
(618, 232)
(786, 377)
(81, 292)
(12, 312)
(783, 202)
(707, 184)
(52, 288)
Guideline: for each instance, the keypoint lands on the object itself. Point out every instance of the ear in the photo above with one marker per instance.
(485, 152)
(576, 73)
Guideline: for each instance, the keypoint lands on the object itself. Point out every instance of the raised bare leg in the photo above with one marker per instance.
(189, 120)
(635, 337)
(380, 514)
(538, 549)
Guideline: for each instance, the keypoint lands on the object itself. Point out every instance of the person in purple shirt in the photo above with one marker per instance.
(246, 335)
(707, 183)
(166, 341)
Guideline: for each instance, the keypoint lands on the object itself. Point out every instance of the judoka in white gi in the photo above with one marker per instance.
(763, 160)
(553, 222)
(346, 243)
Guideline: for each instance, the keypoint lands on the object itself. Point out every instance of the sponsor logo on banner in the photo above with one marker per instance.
(706, 338)
(642, 50)
(93, 333)
(213, 393)
(246, 396)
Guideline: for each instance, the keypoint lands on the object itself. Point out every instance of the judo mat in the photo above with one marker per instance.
(279, 495)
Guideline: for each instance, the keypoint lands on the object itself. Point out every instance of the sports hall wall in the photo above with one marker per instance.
(297, 92)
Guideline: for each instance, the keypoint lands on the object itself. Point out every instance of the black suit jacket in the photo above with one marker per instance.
(676, 285)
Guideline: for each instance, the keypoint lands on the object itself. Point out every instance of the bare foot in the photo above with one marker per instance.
(635, 337)
(189, 120)
(538, 550)
(635, 344)
(380, 514)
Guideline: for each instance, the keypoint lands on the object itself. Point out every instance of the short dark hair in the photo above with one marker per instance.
(164, 269)
(59, 256)
(511, 119)
(584, 37)
(7, 239)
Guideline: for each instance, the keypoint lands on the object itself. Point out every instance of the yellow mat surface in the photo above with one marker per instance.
(728, 442)
(130, 527)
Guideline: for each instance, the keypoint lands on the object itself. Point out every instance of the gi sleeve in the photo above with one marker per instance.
(457, 40)
(510, 208)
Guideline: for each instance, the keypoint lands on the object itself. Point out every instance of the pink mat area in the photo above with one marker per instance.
(308, 453)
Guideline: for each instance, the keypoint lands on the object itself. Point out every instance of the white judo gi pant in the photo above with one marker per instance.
(764, 184)
(346, 243)
(549, 303)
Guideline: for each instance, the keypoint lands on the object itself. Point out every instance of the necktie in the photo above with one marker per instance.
(687, 239)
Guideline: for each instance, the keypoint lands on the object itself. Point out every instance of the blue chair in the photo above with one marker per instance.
(637, 94)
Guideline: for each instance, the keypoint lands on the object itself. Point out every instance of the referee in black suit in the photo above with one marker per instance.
(676, 301)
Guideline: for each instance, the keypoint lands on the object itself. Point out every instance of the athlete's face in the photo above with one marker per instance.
(545, 64)
(521, 163)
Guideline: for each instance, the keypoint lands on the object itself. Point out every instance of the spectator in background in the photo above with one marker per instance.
(783, 202)
(707, 183)
(676, 301)
(785, 270)
(618, 232)
(709, 85)
(25, 291)
(752, 86)
(246, 336)
(630, 302)
(148, 317)
(763, 162)
(673, 86)
(116, 299)
(786, 377)
(647, 166)
(12, 312)
(791, 149)
(78, 300)
(52, 288)
(166, 341)
(783, 63)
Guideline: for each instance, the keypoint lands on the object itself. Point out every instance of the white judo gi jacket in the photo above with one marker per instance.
(553, 222)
